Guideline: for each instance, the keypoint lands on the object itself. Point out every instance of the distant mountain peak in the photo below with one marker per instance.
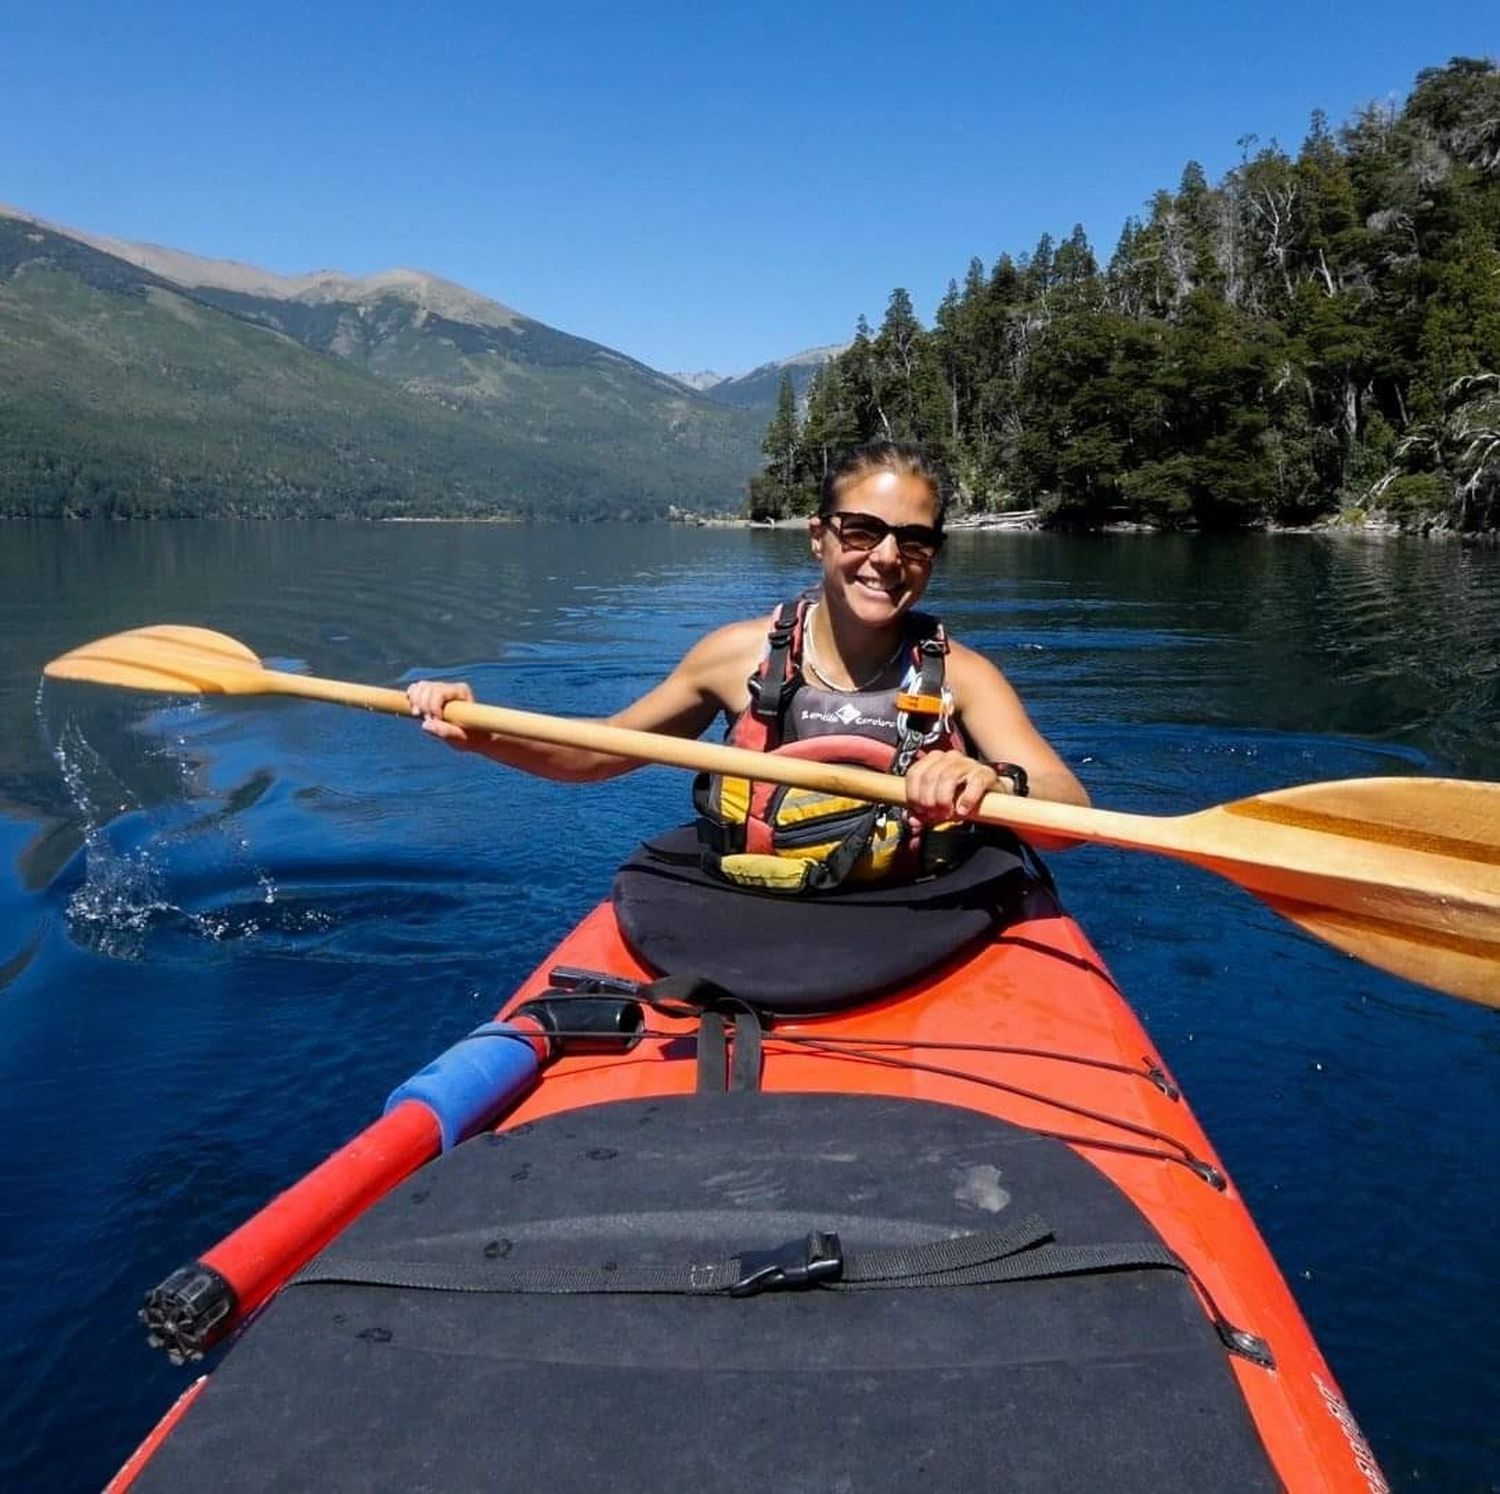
(703, 380)
(758, 389)
(430, 292)
(816, 357)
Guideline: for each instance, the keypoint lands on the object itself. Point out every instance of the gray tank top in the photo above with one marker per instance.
(818, 712)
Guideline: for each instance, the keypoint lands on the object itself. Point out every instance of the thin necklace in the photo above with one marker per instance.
(810, 660)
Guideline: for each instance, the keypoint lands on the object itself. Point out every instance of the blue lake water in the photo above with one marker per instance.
(227, 928)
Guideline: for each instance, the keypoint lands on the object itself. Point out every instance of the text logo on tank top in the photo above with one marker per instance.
(822, 713)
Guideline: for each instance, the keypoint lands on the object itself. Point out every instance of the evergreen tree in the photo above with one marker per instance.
(1309, 332)
(773, 494)
(830, 429)
(780, 440)
(857, 367)
(896, 351)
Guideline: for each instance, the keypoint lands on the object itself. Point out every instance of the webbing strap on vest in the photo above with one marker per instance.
(1024, 1252)
(771, 689)
(920, 709)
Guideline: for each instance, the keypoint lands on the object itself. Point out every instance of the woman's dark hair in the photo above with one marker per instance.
(901, 457)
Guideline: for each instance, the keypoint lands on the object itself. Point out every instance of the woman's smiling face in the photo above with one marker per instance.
(876, 586)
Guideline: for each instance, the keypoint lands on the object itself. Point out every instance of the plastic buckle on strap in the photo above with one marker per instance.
(799, 1263)
(591, 982)
(770, 693)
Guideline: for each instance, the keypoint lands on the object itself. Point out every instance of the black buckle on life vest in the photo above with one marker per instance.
(769, 704)
(771, 691)
(799, 1263)
(932, 651)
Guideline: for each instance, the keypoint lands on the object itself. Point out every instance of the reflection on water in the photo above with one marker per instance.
(228, 927)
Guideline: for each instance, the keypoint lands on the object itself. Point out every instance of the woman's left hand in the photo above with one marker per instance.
(948, 786)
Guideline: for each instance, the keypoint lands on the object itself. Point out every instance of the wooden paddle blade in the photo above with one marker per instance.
(1442, 816)
(167, 659)
(1459, 966)
(1403, 873)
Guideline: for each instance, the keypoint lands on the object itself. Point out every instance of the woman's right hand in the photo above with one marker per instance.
(428, 698)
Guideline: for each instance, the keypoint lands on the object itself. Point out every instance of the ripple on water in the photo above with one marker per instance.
(325, 898)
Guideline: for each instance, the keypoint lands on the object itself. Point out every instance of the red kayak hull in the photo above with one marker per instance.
(1030, 1029)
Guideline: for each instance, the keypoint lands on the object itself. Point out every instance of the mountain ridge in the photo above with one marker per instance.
(197, 271)
(758, 389)
(460, 403)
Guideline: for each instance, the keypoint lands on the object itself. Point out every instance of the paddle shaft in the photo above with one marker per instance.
(1257, 854)
(701, 757)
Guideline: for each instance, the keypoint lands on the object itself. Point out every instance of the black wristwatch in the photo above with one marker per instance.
(1020, 785)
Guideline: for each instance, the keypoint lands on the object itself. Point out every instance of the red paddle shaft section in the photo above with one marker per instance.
(196, 1307)
(268, 1247)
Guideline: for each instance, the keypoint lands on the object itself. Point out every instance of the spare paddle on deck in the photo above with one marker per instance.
(1403, 873)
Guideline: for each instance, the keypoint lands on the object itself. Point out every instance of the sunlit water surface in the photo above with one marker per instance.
(227, 928)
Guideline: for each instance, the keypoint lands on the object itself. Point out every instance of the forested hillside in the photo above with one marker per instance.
(128, 392)
(1316, 333)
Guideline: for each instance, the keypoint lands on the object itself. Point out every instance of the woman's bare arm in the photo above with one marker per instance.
(710, 677)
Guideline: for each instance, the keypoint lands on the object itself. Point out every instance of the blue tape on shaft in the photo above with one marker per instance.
(473, 1081)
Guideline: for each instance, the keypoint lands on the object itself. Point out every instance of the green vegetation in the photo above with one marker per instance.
(1315, 332)
(125, 395)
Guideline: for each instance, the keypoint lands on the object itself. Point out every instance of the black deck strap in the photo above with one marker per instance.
(691, 995)
(744, 1073)
(712, 1054)
(687, 994)
(718, 1072)
(1041, 1263)
(1021, 1253)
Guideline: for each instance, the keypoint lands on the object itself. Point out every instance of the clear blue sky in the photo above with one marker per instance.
(698, 185)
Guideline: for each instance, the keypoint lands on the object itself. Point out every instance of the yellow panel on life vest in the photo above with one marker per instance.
(797, 806)
(774, 873)
(731, 798)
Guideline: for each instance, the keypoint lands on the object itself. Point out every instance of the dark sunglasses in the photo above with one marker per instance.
(865, 532)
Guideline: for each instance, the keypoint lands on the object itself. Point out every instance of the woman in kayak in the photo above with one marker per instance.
(877, 535)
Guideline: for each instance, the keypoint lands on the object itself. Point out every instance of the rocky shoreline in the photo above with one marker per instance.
(1028, 521)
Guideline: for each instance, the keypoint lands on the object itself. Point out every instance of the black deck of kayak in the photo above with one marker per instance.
(1111, 1381)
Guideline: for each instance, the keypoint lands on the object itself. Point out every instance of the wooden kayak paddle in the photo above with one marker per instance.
(1403, 873)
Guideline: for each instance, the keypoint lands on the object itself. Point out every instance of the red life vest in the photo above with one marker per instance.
(784, 839)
